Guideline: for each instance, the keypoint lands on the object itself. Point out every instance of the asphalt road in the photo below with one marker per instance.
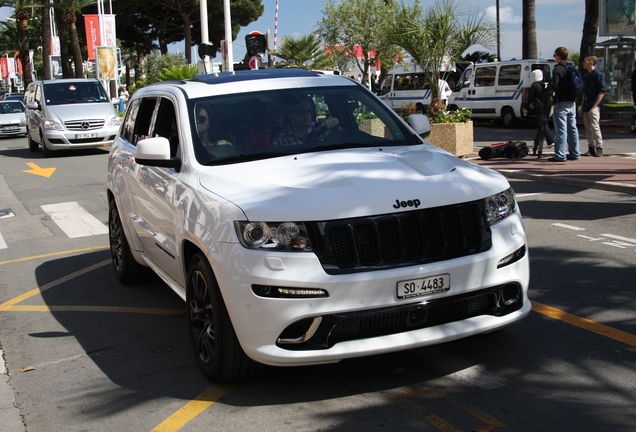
(83, 352)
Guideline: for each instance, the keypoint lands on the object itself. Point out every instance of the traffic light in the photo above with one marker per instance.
(256, 44)
(207, 49)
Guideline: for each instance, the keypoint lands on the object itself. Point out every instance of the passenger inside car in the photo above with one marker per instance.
(214, 139)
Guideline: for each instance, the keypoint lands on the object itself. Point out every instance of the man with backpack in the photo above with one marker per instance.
(590, 106)
(566, 88)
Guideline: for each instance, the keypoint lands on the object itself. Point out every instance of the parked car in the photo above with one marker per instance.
(14, 96)
(304, 222)
(12, 118)
(65, 114)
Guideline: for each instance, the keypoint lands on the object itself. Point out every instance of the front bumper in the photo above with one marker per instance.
(64, 140)
(364, 299)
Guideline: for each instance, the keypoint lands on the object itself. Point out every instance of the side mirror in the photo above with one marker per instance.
(156, 152)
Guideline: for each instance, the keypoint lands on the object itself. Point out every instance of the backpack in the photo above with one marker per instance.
(572, 82)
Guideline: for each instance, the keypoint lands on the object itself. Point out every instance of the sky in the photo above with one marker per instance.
(559, 23)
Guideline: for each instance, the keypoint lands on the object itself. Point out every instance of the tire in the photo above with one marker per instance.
(33, 146)
(46, 152)
(216, 347)
(508, 118)
(127, 270)
(632, 127)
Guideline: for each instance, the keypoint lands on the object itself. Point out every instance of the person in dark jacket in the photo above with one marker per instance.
(593, 93)
(539, 106)
(564, 115)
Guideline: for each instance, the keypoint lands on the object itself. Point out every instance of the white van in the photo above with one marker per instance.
(402, 86)
(498, 90)
(69, 114)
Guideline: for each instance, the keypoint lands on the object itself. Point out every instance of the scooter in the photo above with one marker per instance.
(632, 127)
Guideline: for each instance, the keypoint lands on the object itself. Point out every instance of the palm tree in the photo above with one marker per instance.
(22, 16)
(590, 27)
(442, 34)
(46, 38)
(304, 52)
(69, 9)
(529, 31)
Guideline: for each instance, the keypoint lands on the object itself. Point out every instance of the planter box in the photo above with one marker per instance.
(455, 138)
(374, 127)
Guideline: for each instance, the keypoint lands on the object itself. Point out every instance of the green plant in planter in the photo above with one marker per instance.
(461, 116)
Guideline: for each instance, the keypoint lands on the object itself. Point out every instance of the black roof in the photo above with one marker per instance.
(258, 74)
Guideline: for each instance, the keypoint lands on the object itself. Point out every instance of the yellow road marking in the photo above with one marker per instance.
(440, 423)
(584, 323)
(193, 408)
(52, 254)
(116, 309)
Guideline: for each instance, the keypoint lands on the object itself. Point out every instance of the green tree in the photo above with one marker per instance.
(304, 52)
(155, 64)
(442, 33)
(178, 72)
(358, 23)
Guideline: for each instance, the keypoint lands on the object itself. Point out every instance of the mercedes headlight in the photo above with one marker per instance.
(500, 206)
(278, 236)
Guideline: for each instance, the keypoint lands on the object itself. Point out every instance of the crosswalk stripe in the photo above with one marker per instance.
(74, 220)
(3, 244)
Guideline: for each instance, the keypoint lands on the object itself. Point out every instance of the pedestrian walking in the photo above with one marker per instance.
(539, 105)
(593, 93)
(564, 115)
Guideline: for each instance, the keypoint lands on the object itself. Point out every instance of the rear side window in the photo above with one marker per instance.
(510, 75)
(485, 76)
(143, 119)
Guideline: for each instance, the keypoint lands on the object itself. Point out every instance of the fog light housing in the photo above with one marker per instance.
(269, 291)
(513, 257)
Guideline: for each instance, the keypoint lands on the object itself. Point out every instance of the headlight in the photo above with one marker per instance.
(278, 236)
(500, 206)
(114, 121)
(53, 125)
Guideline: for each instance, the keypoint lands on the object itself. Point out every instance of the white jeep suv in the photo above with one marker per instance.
(304, 222)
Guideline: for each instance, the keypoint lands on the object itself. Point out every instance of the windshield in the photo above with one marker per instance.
(74, 92)
(290, 121)
(11, 107)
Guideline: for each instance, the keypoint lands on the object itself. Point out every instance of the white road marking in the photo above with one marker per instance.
(3, 244)
(624, 239)
(74, 220)
(574, 228)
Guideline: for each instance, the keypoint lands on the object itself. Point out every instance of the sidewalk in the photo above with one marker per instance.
(615, 173)
(612, 172)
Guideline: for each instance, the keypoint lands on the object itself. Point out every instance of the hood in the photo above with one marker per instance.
(537, 75)
(350, 183)
(80, 111)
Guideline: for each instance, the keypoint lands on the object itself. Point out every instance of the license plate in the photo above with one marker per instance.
(85, 135)
(8, 128)
(423, 286)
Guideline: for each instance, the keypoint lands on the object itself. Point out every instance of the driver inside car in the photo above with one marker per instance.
(300, 127)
